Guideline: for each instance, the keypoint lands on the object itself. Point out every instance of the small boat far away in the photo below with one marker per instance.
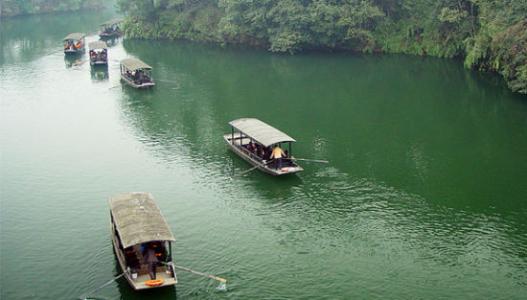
(98, 53)
(142, 241)
(110, 29)
(74, 43)
(136, 73)
(261, 145)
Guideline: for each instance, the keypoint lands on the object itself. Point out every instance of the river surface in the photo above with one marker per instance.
(425, 195)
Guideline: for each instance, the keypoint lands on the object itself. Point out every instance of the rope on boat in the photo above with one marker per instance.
(84, 297)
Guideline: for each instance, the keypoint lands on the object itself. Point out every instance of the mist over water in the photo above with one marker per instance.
(424, 196)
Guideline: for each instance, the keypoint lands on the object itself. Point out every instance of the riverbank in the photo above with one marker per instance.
(488, 35)
(13, 8)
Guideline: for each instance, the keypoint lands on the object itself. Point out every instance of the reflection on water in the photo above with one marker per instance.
(423, 197)
(111, 42)
(394, 192)
(99, 73)
(74, 60)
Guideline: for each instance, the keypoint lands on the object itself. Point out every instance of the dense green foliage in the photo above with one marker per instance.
(488, 34)
(10, 8)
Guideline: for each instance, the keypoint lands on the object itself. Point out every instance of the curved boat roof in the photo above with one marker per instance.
(138, 219)
(97, 45)
(261, 132)
(74, 36)
(133, 64)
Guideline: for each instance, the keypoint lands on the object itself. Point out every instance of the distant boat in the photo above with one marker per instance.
(136, 73)
(249, 131)
(110, 29)
(137, 223)
(74, 43)
(98, 53)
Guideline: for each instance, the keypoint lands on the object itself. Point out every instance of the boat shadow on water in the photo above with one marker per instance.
(273, 188)
(73, 60)
(111, 42)
(99, 73)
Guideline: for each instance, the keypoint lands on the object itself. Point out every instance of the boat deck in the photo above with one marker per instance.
(139, 282)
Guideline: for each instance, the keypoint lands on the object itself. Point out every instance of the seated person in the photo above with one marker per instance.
(251, 147)
(268, 153)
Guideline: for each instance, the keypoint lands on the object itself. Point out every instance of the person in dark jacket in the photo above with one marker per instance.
(151, 260)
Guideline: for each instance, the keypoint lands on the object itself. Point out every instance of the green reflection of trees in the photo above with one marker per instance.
(409, 123)
(29, 7)
(29, 37)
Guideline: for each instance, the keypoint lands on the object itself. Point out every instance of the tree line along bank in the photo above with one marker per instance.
(489, 35)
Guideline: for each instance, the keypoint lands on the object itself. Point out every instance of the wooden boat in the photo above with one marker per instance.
(110, 29)
(247, 132)
(136, 73)
(98, 53)
(137, 223)
(74, 43)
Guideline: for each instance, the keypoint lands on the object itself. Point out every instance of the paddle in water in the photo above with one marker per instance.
(254, 168)
(311, 160)
(223, 282)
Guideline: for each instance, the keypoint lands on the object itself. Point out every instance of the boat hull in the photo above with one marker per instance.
(71, 51)
(257, 163)
(98, 62)
(135, 85)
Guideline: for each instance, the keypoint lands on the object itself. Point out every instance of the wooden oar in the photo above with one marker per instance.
(247, 171)
(254, 168)
(311, 160)
(222, 280)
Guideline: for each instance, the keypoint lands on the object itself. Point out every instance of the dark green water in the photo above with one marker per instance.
(424, 197)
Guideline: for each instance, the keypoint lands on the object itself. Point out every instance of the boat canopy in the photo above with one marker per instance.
(97, 45)
(111, 22)
(138, 220)
(261, 132)
(74, 36)
(134, 64)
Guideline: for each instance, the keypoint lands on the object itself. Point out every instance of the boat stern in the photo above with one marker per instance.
(72, 51)
(147, 85)
(289, 170)
(164, 278)
(99, 62)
